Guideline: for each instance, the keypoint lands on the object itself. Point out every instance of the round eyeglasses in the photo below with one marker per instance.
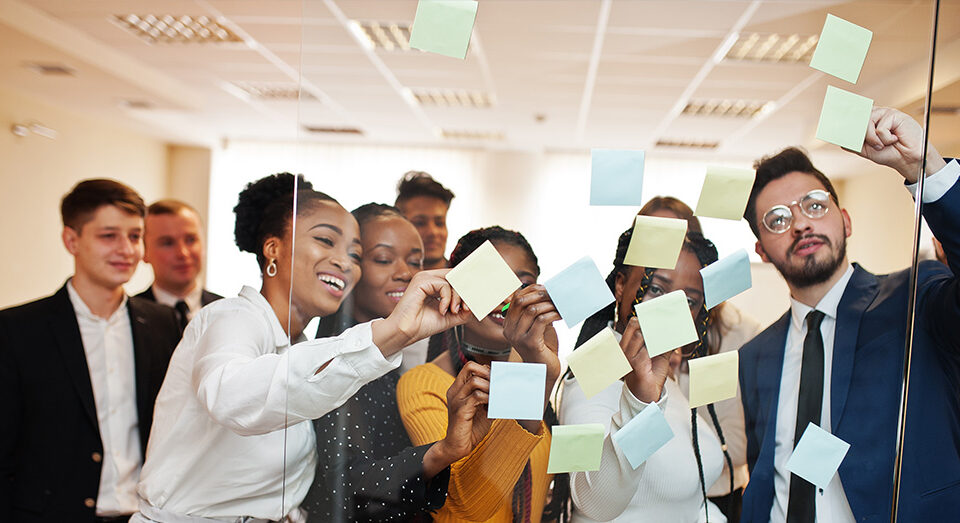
(814, 204)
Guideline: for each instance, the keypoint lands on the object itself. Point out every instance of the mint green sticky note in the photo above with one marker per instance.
(844, 118)
(841, 49)
(725, 192)
(443, 26)
(643, 435)
(575, 448)
(817, 456)
(665, 322)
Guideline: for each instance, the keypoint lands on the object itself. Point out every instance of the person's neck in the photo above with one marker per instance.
(439, 263)
(811, 296)
(289, 317)
(181, 291)
(102, 301)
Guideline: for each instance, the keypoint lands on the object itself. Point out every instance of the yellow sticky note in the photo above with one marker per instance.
(656, 242)
(725, 192)
(483, 280)
(713, 378)
(666, 323)
(841, 49)
(575, 448)
(598, 363)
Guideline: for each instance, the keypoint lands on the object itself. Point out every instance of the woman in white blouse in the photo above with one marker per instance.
(218, 450)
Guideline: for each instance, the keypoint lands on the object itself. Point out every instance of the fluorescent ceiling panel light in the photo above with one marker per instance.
(275, 91)
(726, 108)
(176, 29)
(386, 36)
(773, 48)
(687, 144)
(451, 134)
(452, 98)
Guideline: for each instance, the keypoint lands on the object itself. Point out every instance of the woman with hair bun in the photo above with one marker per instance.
(231, 437)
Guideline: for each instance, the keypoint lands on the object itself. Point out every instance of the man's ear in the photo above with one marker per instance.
(70, 238)
(759, 250)
(847, 223)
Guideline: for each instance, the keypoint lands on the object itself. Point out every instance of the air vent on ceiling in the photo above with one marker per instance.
(275, 90)
(756, 47)
(687, 144)
(452, 134)
(728, 108)
(452, 98)
(332, 130)
(182, 29)
(51, 69)
(140, 105)
(945, 110)
(387, 36)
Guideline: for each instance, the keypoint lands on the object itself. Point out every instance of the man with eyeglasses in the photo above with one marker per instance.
(835, 359)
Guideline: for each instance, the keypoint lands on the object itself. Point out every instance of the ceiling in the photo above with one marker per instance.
(561, 74)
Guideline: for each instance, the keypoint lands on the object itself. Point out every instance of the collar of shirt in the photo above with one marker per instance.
(81, 309)
(828, 305)
(280, 338)
(194, 298)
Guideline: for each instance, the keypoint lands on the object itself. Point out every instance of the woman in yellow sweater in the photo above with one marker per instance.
(504, 478)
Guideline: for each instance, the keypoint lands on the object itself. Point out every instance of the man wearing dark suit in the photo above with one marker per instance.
(80, 370)
(836, 358)
(173, 246)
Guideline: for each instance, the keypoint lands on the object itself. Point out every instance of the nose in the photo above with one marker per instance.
(402, 272)
(183, 251)
(801, 224)
(341, 260)
(128, 247)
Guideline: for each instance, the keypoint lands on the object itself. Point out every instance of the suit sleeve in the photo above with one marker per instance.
(941, 302)
(10, 413)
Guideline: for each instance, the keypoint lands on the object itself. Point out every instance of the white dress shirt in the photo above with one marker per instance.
(193, 299)
(217, 448)
(108, 345)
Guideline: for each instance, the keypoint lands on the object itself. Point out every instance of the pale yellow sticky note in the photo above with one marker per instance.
(725, 192)
(656, 242)
(483, 280)
(713, 378)
(598, 362)
(665, 322)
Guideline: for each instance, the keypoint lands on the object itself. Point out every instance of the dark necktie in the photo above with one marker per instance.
(801, 507)
(182, 311)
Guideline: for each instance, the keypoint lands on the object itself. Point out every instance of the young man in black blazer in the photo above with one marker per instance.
(80, 370)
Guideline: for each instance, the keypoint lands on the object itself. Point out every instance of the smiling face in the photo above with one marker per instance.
(107, 248)
(488, 333)
(685, 276)
(429, 216)
(392, 254)
(174, 248)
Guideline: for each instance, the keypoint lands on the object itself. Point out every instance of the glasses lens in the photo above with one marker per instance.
(815, 203)
(778, 219)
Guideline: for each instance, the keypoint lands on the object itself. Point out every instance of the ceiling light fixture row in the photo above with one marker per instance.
(452, 98)
(727, 108)
(275, 91)
(386, 36)
(775, 48)
(687, 144)
(170, 29)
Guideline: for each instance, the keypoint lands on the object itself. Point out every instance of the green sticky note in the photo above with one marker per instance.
(666, 323)
(656, 242)
(598, 363)
(575, 448)
(443, 26)
(841, 49)
(483, 280)
(725, 192)
(713, 378)
(844, 118)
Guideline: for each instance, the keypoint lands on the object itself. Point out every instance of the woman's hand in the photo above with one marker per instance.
(649, 374)
(528, 327)
(467, 421)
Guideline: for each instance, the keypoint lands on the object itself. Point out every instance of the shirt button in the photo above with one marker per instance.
(89, 503)
(96, 457)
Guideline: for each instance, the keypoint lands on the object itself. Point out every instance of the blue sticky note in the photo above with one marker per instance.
(724, 279)
(616, 177)
(516, 390)
(643, 435)
(579, 291)
(818, 456)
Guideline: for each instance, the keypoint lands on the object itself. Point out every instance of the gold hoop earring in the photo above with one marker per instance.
(271, 269)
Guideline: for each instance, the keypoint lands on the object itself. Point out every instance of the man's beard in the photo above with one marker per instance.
(812, 271)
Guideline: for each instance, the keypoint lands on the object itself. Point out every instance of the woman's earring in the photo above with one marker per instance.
(271, 268)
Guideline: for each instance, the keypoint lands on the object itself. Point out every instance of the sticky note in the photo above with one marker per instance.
(516, 390)
(713, 378)
(483, 279)
(844, 118)
(665, 322)
(643, 435)
(575, 448)
(443, 26)
(841, 49)
(598, 362)
(579, 291)
(817, 456)
(616, 177)
(725, 192)
(656, 242)
(725, 278)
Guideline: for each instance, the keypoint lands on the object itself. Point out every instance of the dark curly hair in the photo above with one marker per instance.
(419, 183)
(472, 240)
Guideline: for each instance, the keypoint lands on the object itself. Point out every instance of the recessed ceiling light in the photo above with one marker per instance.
(728, 108)
(171, 29)
(452, 134)
(452, 98)
(51, 69)
(772, 47)
(275, 90)
(687, 144)
(141, 105)
(388, 36)
(332, 130)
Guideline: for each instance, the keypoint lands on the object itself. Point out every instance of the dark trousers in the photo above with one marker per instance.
(730, 505)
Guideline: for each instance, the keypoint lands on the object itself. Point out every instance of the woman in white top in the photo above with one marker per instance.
(218, 450)
(670, 485)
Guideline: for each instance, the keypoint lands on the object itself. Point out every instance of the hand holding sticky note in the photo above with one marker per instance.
(724, 279)
(643, 435)
(713, 378)
(516, 390)
(483, 279)
(598, 363)
(725, 192)
(575, 448)
(578, 291)
(842, 48)
(844, 118)
(656, 242)
(444, 26)
(817, 456)
(616, 177)
(665, 323)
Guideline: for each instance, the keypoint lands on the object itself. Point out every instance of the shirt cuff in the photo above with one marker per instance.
(630, 406)
(938, 183)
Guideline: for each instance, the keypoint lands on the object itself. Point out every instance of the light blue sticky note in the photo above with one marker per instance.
(516, 390)
(616, 177)
(643, 435)
(443, 26)
(844, 118)
(724, 279)
(579, 291)
(818, 456)
(841, 49)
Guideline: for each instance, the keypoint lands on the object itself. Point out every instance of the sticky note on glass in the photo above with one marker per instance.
(844, 118)
(666, 323)
(516, 390)
(616, 177)
(724, 279)
(713, 378)
(443, 26)
(643, 435)
(598, 362)
(842, 48)
(656, 242)
(483, 279)
(725, 192)
(817, 456)
(579, 291)
(575, 448)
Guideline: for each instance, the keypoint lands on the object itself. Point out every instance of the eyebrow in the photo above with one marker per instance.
(333, 228)
(526, 273)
